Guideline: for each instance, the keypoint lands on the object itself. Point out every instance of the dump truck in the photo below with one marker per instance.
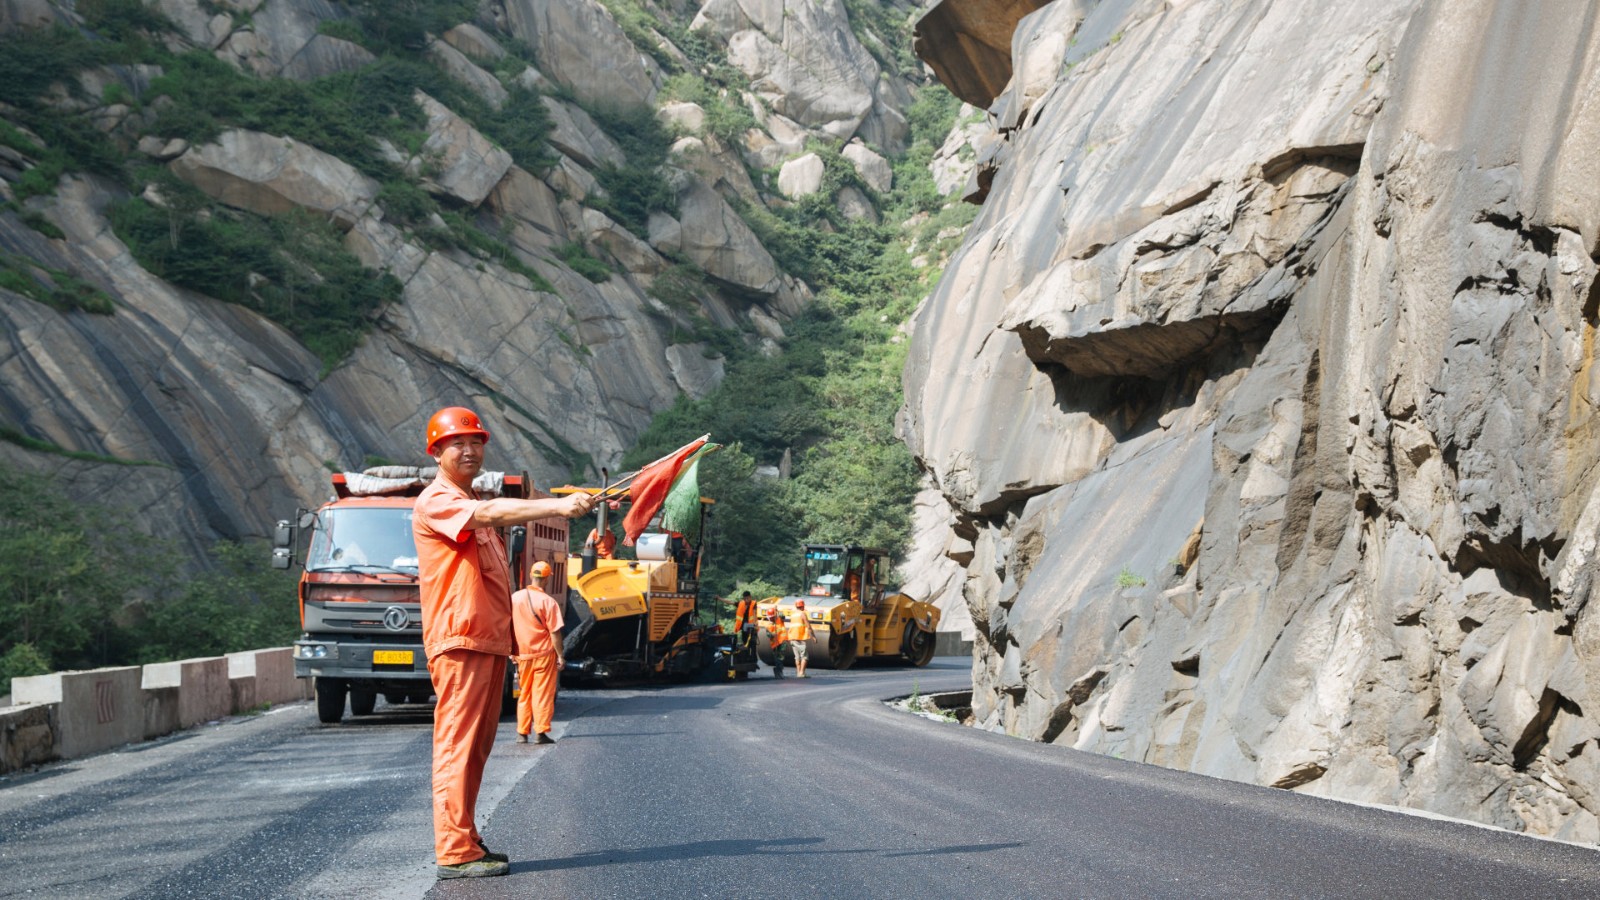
(853, 615)
(637, 620)
(360, 605)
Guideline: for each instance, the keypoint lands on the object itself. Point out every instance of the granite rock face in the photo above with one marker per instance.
(803, 59)
(582, 47)
(268, 175)
(1259, 397)
(240, 420)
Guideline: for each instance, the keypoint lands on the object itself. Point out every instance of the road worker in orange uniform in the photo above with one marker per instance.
(536, 620)
(777, 634)
(605, 546)
(799, 632)
(745, 613)
(465, 581)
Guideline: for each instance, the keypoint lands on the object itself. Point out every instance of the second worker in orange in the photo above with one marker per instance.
(536, 618)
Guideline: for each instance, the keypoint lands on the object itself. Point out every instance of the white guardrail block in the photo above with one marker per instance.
(204, 692)
(99, 708)
(71, 714)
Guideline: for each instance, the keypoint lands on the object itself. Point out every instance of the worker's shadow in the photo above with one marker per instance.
(733, 848)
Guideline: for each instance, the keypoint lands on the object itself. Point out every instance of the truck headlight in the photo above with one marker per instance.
(311, 651)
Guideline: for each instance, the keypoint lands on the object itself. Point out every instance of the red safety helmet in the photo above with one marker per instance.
(541, 569)
(451, 421)
(799, 604)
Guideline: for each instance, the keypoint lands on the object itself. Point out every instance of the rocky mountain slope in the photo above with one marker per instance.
(568, 285)
(1259, 396)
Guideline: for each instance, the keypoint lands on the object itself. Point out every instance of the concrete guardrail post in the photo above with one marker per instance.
(204, 691)
(28, 735)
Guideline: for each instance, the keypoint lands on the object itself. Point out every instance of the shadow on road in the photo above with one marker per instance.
(734, 848)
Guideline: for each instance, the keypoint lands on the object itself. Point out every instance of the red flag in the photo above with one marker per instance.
(650, 489)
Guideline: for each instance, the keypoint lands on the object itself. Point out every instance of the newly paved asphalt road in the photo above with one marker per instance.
(759, 789)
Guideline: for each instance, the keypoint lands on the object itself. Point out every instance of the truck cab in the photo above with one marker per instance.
(360, 604)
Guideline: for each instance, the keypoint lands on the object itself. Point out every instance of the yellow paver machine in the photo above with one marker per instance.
(634, 620)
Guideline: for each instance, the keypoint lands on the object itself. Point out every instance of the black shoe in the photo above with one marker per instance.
(522, 738)
(493, 856)
(544, 738)
(478, 868)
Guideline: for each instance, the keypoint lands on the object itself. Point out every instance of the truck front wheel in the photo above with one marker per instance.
(330, 700)
(362, 702)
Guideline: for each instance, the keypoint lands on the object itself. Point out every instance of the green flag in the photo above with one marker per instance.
(680, 512)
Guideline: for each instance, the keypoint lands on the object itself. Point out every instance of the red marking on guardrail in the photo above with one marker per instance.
(105, 702)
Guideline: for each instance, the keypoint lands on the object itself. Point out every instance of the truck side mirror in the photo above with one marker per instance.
(283, 538)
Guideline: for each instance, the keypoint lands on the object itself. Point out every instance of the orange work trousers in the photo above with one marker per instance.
(468, 685)
(536, 704)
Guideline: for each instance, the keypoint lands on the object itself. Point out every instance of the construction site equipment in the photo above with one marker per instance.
(636, 620)
(852, 615)
(360, 606)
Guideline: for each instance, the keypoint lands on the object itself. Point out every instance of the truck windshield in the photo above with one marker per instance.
(363, 540)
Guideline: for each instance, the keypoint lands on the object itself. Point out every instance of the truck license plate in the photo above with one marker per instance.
(391, 657)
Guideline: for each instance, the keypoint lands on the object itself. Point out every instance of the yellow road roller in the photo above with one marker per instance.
(853, 615)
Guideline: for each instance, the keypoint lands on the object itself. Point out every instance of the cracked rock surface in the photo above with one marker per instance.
(1259, 399)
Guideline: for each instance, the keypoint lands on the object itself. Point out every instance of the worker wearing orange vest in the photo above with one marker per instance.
(799, 632)
(777, 635)
(465, 583)
(745, 614)
(605, 545)
(536, 619)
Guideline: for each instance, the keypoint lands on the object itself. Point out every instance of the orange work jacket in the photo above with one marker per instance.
(463, 575)
(536, 618)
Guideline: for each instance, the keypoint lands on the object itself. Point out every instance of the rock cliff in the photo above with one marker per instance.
(1259, 394)
(522, 292)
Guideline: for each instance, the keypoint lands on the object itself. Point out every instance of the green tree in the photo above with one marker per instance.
(65, 569)
(242, 604)
(21, 661)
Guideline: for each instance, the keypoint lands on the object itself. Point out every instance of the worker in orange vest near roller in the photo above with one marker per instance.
(799, 633)
(465, 583)
(536, 620)
(777, 636)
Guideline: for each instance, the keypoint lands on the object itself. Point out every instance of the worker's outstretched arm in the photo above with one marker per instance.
(502, 511)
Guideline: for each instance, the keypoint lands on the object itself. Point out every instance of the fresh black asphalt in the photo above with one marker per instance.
(756, 789)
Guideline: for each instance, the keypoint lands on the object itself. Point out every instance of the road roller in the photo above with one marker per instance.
(853, 615)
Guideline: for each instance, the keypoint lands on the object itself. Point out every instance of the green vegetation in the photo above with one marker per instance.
(1128, 579)
(291, 268)
(241, 604)
(886, 37)
(13, 436)
(71, 583)
(584, 263)
(830, 398)
(402, 26)
(61, 291)
(826, 402)
(635, 189)
(20, 661)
